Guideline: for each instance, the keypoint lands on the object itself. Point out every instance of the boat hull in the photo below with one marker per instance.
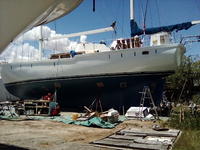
(119, 91)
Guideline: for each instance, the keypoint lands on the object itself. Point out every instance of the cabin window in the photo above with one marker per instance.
(145, 53)
(155, 42)
(134, 53)
(11, 67)
(31, 65)
(121, 55)
(156, 51)
(162, 39)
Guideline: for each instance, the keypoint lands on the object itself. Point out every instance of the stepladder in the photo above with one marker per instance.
(145, 99)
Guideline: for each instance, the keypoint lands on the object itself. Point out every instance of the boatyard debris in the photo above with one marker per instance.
(136, 138)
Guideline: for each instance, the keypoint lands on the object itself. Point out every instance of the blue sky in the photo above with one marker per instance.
(159, 12)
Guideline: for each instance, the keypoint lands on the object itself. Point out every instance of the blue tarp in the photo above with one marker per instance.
(94, 122)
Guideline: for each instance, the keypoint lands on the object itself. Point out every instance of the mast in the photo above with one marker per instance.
(133, 24)
(132, 17)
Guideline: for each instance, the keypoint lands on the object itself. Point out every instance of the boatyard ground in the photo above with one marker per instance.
(51, 135)
(25, 134)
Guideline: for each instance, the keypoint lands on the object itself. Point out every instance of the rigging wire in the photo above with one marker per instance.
(123, 18)
(141, 19)
(151, 18)
(159, 20)
(56, 42)
(110, 15)
(22, 47)
(145, 16)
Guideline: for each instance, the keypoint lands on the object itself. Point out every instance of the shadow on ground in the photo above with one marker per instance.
(11, 147)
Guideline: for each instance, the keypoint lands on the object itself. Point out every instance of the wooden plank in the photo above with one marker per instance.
(131, 134)
(124, 137)
(144, 141)
(135, 134)
(111, 147)
(150, 133)
(117, 143)
(147, 129)
(174, 131)
(127, 144)
(148, 147)
(118, 140)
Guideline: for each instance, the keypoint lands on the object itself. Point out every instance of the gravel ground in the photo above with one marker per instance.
(51, 135)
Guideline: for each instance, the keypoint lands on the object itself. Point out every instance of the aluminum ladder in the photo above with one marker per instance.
(146, 95)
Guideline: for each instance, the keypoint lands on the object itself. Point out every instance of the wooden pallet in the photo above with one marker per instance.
(139, 139)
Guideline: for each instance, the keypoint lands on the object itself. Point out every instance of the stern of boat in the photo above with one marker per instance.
(180, 53)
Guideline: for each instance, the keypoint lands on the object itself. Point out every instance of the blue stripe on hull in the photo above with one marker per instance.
(117, 91)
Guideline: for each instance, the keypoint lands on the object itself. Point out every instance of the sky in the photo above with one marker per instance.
(158, 13)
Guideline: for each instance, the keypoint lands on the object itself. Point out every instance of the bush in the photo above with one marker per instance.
(189, 120)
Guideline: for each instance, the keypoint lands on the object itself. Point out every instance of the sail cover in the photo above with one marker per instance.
(135, 30)
(18, 16)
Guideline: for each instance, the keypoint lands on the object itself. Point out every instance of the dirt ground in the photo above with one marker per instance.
(51, 135)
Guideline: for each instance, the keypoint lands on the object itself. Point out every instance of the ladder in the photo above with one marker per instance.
(146, 95)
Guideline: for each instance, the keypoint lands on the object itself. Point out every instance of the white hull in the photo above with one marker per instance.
(162, 59)
(17, 16)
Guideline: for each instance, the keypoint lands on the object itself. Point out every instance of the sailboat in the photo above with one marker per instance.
(115, 75)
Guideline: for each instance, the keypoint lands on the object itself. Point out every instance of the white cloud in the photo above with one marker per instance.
(59, 44)
(20, 52)
(34, 34)
(22, 49)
